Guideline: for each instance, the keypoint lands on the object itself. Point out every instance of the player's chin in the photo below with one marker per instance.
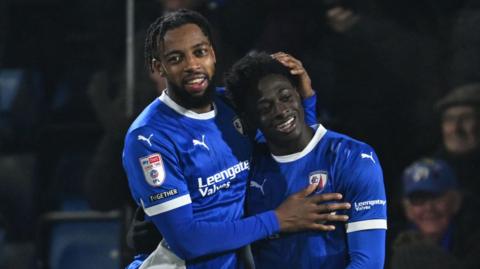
(200, 99)
(198, 90)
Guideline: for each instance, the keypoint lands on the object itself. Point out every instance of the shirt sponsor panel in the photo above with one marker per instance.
(210, 185)
(367, 205)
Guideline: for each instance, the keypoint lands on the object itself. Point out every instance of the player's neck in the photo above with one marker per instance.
(287, 147)
(205, 105)
(203, 109)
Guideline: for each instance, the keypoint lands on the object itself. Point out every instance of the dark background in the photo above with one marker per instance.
(376, 81)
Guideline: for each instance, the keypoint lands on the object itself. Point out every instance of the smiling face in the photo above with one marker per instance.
(460, 129)
(433, 214)
(187, 61)
(277, 110)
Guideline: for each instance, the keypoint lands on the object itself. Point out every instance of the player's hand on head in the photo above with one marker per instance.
(303, 211)
(296, 68)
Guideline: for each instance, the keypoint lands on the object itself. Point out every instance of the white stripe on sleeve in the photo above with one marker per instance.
(167, 206)
(366, 225)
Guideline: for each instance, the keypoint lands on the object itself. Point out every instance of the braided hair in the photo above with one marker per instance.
(157, 30)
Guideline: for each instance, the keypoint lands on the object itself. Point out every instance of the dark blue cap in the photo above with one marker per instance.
(429, 175)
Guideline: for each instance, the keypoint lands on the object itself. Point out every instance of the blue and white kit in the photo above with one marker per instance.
(338, 164)
(189, 172)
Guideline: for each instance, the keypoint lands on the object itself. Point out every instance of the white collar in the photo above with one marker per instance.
(319, 133)
(185, 112)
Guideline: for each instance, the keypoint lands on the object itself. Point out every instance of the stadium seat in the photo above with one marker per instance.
(77, 240)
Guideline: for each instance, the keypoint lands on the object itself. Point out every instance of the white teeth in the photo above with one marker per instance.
(285, 125)
(196, 81)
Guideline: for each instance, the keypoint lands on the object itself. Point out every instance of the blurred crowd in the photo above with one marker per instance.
(404, 76)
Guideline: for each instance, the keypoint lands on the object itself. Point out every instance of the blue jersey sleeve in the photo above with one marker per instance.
(362, 186)
(366, 249)
(310, 110)
(158, 185)
(153, 172)
(189, 238)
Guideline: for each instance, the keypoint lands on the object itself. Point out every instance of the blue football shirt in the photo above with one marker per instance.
(189, 173)
(338, 164)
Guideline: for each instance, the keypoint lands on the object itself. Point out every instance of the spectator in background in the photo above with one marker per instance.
(460, 128)
(444, 231)
(390, 68)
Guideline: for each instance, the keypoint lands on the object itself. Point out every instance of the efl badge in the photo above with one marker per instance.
(320, 178)
(238, 124)
(153, 170)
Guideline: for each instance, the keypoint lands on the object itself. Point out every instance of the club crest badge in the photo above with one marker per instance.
(152, 166)
(238, 124)
(320, 178)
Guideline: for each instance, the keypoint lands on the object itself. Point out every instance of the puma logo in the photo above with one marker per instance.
(143, 138)
(200, 143)
(368, 156)
(254, 184)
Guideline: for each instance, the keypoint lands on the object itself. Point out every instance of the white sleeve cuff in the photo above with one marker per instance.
(366, 225)
(167, 206)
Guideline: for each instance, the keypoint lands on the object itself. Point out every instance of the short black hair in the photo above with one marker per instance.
(243, 78)
(157, 30)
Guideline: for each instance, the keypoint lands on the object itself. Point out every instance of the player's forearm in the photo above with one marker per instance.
(310, 109)
(367, 249)
(190, 239)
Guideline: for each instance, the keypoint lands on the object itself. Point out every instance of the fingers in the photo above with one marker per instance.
(323, 221)
(331, 217)
(142, 225)
(321, 199)
(323, 207)
(139, 223)
(332, 207)
(322, 227)
(325, 197)
(307, 191)
(328, 213)
(139, 214)
(295, 66)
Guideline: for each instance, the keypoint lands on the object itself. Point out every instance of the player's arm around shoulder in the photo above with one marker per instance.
(158, 184)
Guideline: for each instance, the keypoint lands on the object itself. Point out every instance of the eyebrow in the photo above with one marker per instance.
(196, 46)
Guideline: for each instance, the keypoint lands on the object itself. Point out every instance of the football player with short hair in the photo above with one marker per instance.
(296, 155)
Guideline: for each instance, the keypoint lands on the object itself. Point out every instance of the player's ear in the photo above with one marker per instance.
(157, 66)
